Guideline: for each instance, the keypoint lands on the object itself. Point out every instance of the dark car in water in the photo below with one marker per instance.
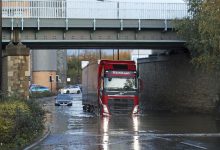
(63, 99)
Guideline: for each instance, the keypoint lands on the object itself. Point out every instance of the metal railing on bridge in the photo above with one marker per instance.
(91, 9)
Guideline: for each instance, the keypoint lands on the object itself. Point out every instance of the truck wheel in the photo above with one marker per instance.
(84, 108)
(92, 109)
(67, 92)
(98, 111)
(69, 104)
(78, 92)
(88, 108)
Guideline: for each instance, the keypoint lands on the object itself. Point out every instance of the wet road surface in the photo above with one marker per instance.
(73, 129)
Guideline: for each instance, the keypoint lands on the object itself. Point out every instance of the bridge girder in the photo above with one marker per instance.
(90, 33)
(104, 44)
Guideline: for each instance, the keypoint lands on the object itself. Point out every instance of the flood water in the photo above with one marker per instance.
(73, 129)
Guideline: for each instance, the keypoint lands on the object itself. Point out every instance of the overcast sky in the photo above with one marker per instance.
(155, 1)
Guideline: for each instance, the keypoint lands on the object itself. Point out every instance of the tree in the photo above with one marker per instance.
(74, 71)
(74, 62)
(201, 30)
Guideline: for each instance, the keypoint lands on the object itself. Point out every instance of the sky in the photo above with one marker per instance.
(159, 1)
(70, 52)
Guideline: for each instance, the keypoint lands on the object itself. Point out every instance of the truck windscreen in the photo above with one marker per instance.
(120, 84)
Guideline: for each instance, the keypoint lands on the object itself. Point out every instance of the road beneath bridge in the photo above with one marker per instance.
(72, 128)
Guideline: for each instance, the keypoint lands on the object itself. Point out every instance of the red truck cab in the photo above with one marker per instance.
(117, 88)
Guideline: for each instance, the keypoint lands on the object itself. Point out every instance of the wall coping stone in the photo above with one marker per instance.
(16, 50)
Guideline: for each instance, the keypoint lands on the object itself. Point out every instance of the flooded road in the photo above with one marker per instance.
(73, 129)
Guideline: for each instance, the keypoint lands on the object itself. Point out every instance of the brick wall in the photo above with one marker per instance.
(42, 78)
(171, 83)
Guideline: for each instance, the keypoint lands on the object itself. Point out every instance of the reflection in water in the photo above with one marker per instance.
(123, 123)
(104, 127)
(136, 142)
(135, 123)
(136, 136)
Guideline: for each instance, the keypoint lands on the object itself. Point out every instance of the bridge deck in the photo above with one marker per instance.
(91, 24)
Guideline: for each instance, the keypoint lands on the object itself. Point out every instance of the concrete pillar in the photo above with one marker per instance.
(16, 71)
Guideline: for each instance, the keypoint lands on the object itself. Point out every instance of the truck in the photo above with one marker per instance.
(110, 87)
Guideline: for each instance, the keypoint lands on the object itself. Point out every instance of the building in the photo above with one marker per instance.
(26, 9)
(135, 54)
(44, 67)
(49, 68)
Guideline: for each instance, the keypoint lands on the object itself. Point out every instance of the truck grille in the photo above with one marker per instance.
(120, 106)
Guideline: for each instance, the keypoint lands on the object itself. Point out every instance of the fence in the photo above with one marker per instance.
(91, 9)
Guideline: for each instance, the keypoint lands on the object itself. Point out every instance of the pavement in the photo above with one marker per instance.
(47, 122)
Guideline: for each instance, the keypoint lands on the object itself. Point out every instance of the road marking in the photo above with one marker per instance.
(185, 143)
(189, 144)
(123, 133)
(186, 135)
(166, 139)
(169, 134)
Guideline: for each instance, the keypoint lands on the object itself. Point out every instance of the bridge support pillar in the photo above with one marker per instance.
(16, 70)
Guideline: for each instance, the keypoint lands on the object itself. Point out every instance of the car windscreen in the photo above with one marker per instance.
(63, 97)
(120, 84)
(45, 88)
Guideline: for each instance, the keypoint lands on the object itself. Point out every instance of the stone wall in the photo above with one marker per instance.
(171, 83)
(16, 74)
(4, 74)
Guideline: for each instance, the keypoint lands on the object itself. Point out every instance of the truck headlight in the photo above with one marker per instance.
(105, 108)
(136, 109)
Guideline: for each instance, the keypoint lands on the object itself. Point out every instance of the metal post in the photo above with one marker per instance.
(118, 9)
(113, 54)
(51, 80)
(118, 55)
(51, 87)
(100, 54)
(78, 67)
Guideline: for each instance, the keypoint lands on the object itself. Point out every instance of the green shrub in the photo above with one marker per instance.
(41, 94)
(21, 121)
